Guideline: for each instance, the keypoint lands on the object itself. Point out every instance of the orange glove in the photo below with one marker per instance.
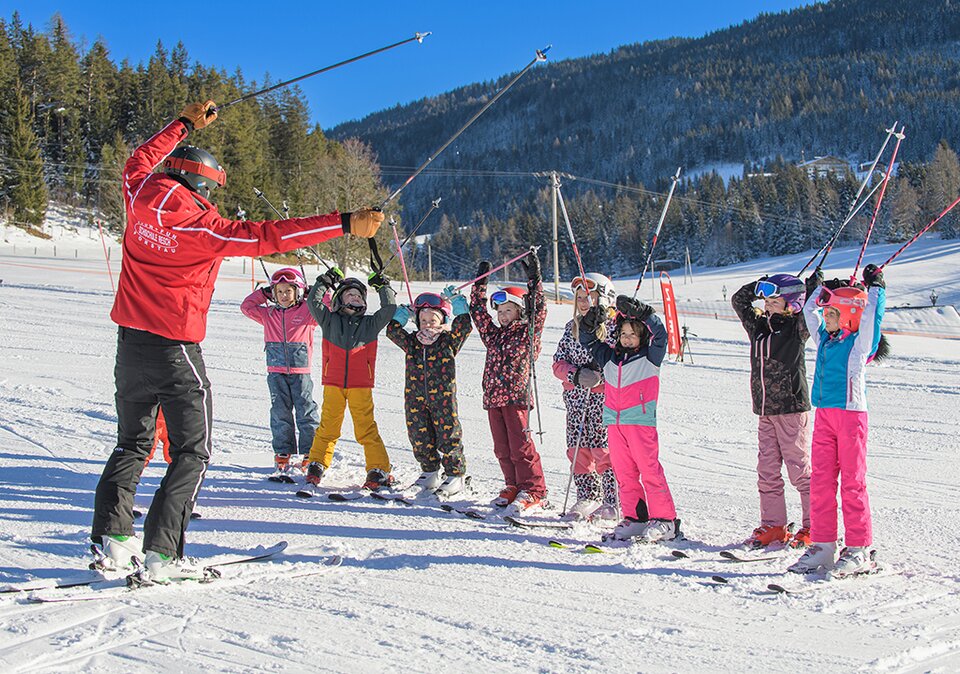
(200, 114)
(363, 223)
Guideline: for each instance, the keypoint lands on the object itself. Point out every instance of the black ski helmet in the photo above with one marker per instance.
(196, 168)
(336, 303)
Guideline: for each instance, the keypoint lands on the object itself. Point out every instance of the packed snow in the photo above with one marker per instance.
(421, 590)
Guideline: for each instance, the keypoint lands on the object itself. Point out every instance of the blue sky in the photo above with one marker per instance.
(471, 41)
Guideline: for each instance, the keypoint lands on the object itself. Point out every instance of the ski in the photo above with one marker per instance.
(281, 478)
(466, 512)
(343, 496)
(537, 524)
(212, 574)
(732, 557)
(775, 588)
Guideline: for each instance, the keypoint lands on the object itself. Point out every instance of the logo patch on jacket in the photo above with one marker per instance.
(156, 237)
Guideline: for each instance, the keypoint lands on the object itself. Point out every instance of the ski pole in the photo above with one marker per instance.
(418, 37)
(656, 233)
(532, 380)
(403, 266)
(921, 233)
(433, 206)
(576, 452)
(263, 197)
(541, 56)
(828, 246)
(106, 257)
(498, 268)
(876, 210)
(851, 212)
(286, 215)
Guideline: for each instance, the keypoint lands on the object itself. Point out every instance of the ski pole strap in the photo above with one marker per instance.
(376, 263)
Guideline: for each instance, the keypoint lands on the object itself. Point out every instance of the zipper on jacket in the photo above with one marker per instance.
(424, 351)
(763, 383)
(619, 390)
(283, 331)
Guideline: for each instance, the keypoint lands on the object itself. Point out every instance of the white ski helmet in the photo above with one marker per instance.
(602, 284)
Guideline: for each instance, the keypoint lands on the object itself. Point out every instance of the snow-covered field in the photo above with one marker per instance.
(425, 591)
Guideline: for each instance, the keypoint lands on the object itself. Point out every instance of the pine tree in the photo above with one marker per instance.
(109, 182)
(941, 187)
(28, 192)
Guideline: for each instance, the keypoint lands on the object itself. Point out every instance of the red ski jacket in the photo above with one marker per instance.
(175, 241)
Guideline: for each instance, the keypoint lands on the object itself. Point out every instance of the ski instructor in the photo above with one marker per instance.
(173, 245)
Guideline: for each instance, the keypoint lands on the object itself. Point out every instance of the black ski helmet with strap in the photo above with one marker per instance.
(336, 300)
(195, 168)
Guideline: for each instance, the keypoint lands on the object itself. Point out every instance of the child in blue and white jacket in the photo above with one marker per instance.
(846, 337)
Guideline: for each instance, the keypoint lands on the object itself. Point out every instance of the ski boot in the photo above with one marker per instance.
(854, 561)
(581, 510)
(453, 485)
(117, 553)
(659, 529)
(818, 557)
(628, 529)
(765, 535)
(161, 569)
(377, 479)
(281, 465)
(428, 483)
(801, 539)
(507, 496)
(525, 503)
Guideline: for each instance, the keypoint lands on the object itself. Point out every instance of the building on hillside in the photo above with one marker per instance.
(819, 167)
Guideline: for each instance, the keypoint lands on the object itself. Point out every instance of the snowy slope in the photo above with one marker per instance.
(424, 591)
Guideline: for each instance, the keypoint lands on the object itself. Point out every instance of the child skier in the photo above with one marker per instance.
(846, 338)
(349, 362)
(506, 380)
(288, 331)
(430, 393)
(631, 375)
(582, 380)
(778, 383)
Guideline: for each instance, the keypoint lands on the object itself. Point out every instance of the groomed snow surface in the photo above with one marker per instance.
(425, 591)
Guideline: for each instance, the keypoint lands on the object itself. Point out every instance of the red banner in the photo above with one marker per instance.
(670, 314)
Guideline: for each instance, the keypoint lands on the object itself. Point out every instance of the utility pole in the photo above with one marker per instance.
(556, 241)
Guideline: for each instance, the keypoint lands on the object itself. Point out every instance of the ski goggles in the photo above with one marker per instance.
(769, 289)
(428, 301)
(502, 297)
(586, 283)
(284, 276)
(829, 298)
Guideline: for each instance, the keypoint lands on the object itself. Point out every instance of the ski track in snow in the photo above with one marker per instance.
(422, 590)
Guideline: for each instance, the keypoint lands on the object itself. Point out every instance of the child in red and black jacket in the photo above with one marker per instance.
(506, 380)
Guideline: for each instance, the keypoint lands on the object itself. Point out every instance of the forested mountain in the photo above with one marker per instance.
(69, 120)
(821, 80)
(825, 79)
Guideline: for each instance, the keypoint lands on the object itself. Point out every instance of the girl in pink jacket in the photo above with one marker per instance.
(288, 329)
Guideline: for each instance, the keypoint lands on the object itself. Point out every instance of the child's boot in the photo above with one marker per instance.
(659, 529)
(854, 561)
(118, 552)
(314, 472)
(765, 535)
(281, 469)
(801, 539)
(378, 479)
(588, 502)
(453, 485)
(819, 556)
(506, 497)
(428, 482)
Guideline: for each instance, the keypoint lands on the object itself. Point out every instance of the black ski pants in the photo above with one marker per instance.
(151, 372)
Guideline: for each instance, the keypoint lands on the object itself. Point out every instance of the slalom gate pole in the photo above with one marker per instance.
(435, 204)
(106, 257)
(403, 266)
(876, 210)
(854, 207)
(418, 37)
(656, 233)
(921, 233)
(541, 56)
(498, 268)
